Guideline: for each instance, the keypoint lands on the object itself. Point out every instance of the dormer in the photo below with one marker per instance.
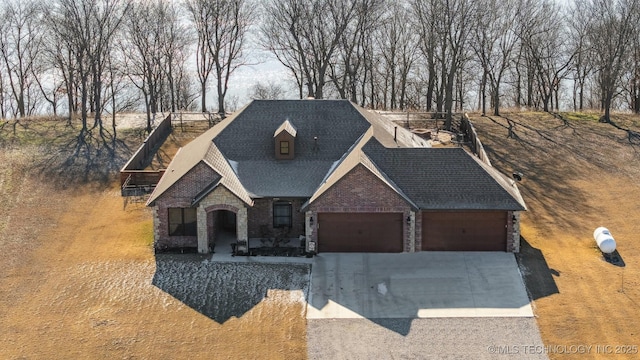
(284, 141)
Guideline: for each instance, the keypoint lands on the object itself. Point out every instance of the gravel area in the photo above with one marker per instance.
(221, 290)
(433, 338)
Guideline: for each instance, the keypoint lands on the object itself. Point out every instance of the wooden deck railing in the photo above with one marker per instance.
(133, 176)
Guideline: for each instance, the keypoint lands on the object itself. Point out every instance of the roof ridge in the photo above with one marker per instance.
(286, 126)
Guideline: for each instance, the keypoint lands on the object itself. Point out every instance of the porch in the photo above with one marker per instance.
(226, 244)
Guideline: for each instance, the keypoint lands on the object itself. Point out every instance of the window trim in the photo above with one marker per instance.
(289, 217)
(287, 148)
(182, 229)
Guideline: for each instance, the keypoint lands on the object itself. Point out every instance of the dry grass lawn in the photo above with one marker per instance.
(578, 174)
(77, 266)
(77, 269)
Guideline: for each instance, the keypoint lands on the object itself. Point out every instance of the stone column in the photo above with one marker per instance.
(309, 229)
(516, 232)
(241, 224)
(203, 242)
(412, 231)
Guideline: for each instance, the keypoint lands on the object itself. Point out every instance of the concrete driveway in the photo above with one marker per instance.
(418, 285)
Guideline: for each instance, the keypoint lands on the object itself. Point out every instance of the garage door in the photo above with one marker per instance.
(464, 231)
(360, 232)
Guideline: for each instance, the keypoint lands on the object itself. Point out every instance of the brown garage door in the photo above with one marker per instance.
(360, 232)
(464, 231)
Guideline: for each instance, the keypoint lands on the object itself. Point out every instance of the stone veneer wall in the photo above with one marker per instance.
(220, 199)
(513, 232)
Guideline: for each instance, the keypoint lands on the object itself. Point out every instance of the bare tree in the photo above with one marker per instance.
(494, 41)
(201, 18)
(234, 17)
(222, 27)
(86, 29)
(20, 44)
(634, 76)
(578, 28)
(143, 52)
(455, 30)
(546, 48)
(610, 33)
(398, 50)
(59, 51)
(426, 21)
(445, 28)
(177, 42)
(305, 42)
(268, 91)
(349, 70)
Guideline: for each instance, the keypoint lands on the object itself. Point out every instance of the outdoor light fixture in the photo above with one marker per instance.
(311, 220)
(409, 219)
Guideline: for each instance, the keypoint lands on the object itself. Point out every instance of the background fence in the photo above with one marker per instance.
(469, 131)
(134, 179)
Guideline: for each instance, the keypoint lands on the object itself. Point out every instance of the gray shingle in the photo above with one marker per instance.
(248, 140)
(443, 178)
(282, 178)
(241, 149)
(336, 124)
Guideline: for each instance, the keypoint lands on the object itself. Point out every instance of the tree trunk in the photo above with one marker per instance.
(483, 93)
(203, 92)
(221, 95)
(496, 99)
(448, 102)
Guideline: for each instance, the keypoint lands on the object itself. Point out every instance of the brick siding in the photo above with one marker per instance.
(261, 218)
(180, 195)
(361, 191)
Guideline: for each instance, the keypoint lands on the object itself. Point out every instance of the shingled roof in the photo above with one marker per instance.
(446, 178)
(332, 137)
(354, 157)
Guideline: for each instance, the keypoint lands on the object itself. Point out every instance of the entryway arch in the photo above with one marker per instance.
(222, 227)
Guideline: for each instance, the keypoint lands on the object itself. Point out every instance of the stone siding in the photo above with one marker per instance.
(513, 231)
(220, 199)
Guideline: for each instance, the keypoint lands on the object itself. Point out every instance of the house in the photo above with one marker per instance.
(337, 174)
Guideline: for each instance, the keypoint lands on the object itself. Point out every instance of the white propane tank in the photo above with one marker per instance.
(604, 240)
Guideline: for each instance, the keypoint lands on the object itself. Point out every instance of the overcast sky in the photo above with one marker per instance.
(264, 68)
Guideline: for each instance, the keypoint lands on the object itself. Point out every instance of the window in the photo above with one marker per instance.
(183, 222)
(284, 148)
(281, 215)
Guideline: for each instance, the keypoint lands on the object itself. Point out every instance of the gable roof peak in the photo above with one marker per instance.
(286, 126)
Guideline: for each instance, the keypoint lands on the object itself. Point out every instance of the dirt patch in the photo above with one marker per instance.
(77, 275)
(578, 175)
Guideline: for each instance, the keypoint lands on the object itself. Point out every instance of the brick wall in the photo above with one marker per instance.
(260, 218)
(180, 195)
(361, 191)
